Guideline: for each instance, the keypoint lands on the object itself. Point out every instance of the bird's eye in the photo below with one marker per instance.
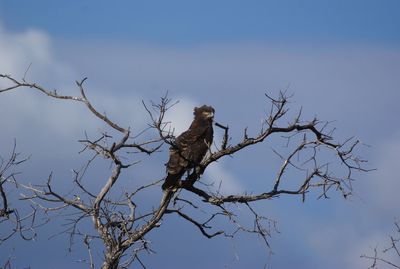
(208, 114)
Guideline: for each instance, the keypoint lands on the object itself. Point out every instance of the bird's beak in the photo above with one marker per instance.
(210, 115)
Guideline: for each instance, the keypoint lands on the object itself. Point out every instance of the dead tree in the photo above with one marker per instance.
(388, 256)
(122, 229)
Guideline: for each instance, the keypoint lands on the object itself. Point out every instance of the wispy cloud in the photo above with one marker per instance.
(180, 115)
(30, 54)
(222, 180)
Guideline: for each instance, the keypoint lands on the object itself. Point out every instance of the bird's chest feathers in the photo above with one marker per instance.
(203, 135)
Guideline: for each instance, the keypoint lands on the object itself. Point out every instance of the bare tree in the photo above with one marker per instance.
(320, 163)
(388, 256)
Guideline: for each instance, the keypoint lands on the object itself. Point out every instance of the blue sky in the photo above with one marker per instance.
(180, 23)
(341, 59)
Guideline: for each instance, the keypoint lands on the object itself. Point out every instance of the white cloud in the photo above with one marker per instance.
(18, 50)
(28, 110)
(221, 178)
(181, 115)
(25, 108)
(32, 47)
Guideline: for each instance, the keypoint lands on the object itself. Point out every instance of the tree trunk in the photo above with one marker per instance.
(111, 259)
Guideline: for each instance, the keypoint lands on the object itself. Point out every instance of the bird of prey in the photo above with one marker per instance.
(191, 146)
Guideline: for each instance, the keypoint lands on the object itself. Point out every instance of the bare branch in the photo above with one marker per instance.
(226, 135)
(381, 257)
(200, 226)
(86, 241)
(22, 225)
(17, 84)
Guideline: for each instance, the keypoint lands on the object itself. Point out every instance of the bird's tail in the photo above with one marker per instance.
(170, 181)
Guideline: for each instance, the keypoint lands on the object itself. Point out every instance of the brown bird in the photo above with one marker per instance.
(191, 146)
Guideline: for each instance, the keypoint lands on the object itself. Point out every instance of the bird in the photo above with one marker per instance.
(190, 147)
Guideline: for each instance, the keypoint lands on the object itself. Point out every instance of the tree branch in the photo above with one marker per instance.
(200, 226)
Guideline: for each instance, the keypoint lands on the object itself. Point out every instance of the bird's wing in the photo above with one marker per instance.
(183, 152)
(189, 137)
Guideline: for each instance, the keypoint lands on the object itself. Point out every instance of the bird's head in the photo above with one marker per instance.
(204, 112)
